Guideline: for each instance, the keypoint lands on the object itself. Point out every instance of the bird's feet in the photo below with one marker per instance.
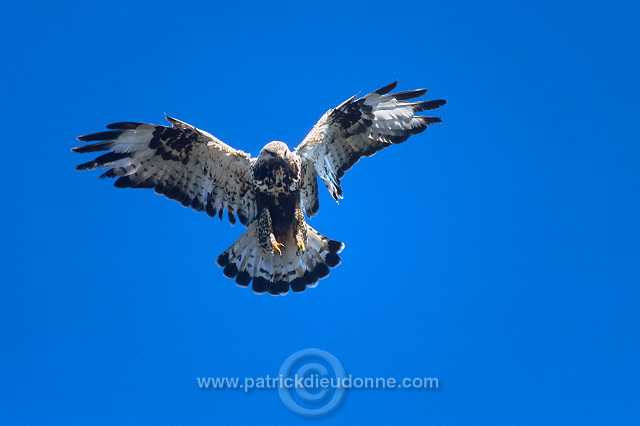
(301, 247)
(278, 247)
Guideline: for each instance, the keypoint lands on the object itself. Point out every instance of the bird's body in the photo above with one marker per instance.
(276, 179)
(277, 244)
(271, 193)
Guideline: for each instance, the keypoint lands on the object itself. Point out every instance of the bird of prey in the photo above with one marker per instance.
(270, 194)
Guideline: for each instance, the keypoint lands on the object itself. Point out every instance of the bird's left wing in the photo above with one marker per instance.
(359, 128)
(182, 162)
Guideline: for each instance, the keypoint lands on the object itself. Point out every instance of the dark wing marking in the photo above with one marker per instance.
(361, 127)
(182, 162)
(309, 189)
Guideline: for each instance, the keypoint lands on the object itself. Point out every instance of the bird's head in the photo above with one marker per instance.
(275, 149)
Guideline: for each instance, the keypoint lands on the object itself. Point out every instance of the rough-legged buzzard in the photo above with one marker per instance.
(269, 194)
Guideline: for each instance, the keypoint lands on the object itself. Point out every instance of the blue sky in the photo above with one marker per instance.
(498, 251)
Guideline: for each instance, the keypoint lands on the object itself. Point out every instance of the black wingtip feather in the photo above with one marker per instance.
(209, 207)
(102, 160)
(94, 147)
(430, 120)
(110, 157)
(428, 105)
(124, 125)
(386, 89)
(100, 136)
(144, 184)
(197, 205)
(210, 210)
(243, 218)
(86, 166)
(409, 94)
(232, 217)
(123, 182)
(108, 174)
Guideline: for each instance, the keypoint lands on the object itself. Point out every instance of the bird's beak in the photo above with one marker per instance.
(281, 156)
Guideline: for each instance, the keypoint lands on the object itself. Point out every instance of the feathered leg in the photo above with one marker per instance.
(300, 231)
(266, 239)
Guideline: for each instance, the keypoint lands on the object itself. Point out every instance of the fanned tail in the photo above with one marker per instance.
(248, 263)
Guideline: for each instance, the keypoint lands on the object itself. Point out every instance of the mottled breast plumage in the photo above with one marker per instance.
(276, 171)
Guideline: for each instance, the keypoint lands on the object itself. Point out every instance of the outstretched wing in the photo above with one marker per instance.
(182, 162)
(359, 128)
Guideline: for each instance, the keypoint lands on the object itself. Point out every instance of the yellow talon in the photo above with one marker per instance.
(276, 248)
(301, 247)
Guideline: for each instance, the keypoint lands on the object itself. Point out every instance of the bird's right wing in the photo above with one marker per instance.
(182, 162)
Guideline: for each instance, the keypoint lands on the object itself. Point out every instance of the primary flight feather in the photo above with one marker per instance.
(269, 194)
